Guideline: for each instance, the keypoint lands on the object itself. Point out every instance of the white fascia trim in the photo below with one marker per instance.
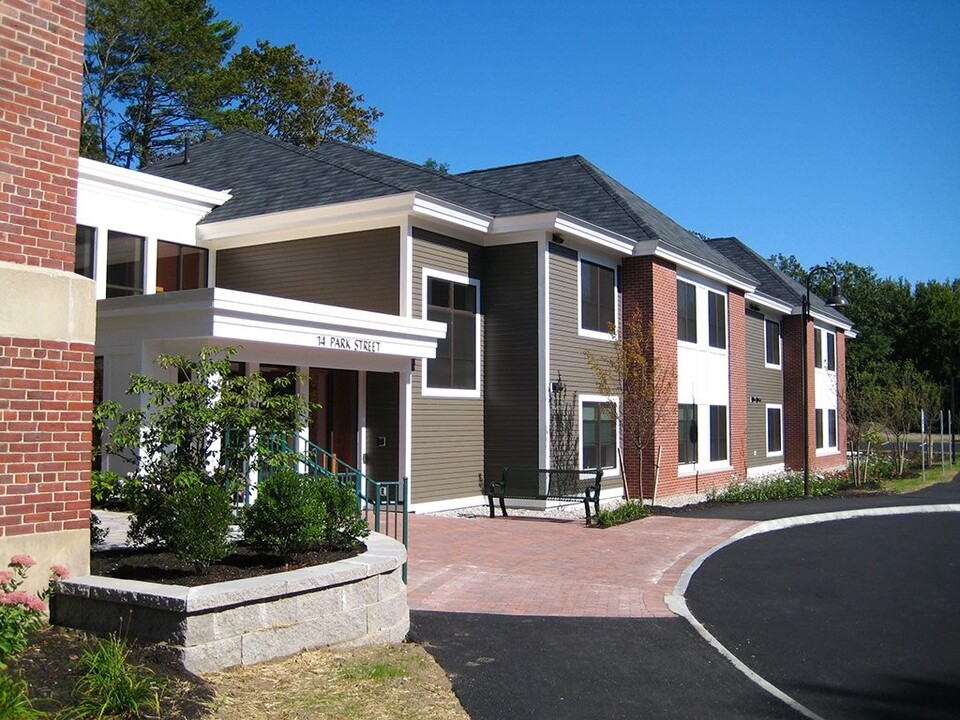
(658, 249)
(829, 322)
(769, 303)
(237, 315)
(562, 223)
(430, 207)
(96, 172)
(304, 221)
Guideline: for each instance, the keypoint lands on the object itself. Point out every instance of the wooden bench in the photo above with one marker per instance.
(541, 484)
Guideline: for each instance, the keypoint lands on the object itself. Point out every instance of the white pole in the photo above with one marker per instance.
(923, 450)
(943, 465)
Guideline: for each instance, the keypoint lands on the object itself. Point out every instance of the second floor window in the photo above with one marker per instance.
(598, 297)
(83, 258)
(686, 311)
(456, 363)
(717, 308)
(124, 264)
(180, 267)
(772, 342)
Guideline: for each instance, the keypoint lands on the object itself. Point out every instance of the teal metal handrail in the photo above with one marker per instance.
(383, 503)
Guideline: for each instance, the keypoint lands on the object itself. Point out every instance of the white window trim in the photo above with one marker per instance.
(827, 449)
(766, 362)
(615, 400)
(726, 321)
(425, 390)
(703, 444)
(702, 288)
(766, 428)
(596, 334)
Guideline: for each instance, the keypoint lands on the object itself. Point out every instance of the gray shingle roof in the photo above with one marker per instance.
(773, 282)
(266, 175)
(579, 188)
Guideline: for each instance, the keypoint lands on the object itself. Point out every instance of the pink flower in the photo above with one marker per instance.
(32, 602)
(59, 572)
(6, 577)
(22, 561)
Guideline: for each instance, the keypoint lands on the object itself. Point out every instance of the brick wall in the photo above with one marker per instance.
(46, 335)
(41, 71)
(737, 353)
(793, 390)
(650, 289)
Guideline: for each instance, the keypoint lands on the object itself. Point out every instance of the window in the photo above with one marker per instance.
(831, 351)
(817, 348)
(717, 311)
(772, 342)
(83, 251)
(831, 428)
(819, 424)
(599, 435)
(774, 430)
(718, 432)
(687, 434)
(124, 265)
(455, 304)
(180, 267)
(597, 297)
(686, 312)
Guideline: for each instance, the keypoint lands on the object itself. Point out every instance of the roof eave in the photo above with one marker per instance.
(660, 249)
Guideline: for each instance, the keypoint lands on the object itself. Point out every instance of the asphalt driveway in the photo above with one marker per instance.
(857, 618)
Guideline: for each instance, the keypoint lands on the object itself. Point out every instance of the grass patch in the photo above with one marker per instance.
(622, 513)
(777, 487)
(934, 475)
(374, 671)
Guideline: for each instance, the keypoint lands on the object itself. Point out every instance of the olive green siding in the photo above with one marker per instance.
(355, 270)
(447, 443)
(383, 421)
(511, 358)
(568, 349)
(764, 385)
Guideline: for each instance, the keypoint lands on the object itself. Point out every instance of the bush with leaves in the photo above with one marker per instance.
(21, 613)
(204, 427)
(200, 518)
(15, 703)
(296, 513)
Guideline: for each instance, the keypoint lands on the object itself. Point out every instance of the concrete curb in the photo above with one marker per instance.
(677, 603)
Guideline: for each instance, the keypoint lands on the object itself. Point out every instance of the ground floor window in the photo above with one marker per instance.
(818, 422)
(718, 432)
(832, 428)
(774, 430)
(687, 434)
(598, 434)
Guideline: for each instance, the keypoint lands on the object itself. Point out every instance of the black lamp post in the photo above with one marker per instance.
(836, 299)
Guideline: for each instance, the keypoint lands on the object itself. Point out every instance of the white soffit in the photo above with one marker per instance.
(765, 301)
(558, 222)
(659, 249)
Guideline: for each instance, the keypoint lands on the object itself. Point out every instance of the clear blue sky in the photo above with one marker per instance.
(818, 128)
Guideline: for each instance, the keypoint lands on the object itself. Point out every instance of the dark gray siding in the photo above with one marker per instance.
(447, 453)
(354, 270)
(763, 383)
(383, 421)
(568, 348)
(511, 331)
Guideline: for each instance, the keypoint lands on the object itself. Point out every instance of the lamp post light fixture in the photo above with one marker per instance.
(836, 299)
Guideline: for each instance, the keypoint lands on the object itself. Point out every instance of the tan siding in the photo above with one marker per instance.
(763, 383)
(567, 347)
(354, 270)
(447, 453)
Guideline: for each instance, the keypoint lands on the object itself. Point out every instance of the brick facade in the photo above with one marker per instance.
(737, 354)
(46, 342)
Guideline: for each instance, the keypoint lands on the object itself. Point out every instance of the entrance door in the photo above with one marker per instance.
(334, 426)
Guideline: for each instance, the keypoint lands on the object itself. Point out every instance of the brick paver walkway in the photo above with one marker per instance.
(553, 567)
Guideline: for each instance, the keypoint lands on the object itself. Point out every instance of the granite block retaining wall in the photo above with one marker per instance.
(359, 601)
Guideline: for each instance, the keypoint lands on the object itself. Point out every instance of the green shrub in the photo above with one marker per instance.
(105, 487)
(295, 513)
(289, 515)
(200, 518)
(622, 513)
(98, 534)
(111, 687)
(15, 699)
(778, 487)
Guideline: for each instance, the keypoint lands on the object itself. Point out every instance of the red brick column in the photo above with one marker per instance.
(737, 359)
(842, 392)
(46, 340)
(650, 289)
(793, 391)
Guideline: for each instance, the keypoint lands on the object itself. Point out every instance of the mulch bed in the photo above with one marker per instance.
(243, 562)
